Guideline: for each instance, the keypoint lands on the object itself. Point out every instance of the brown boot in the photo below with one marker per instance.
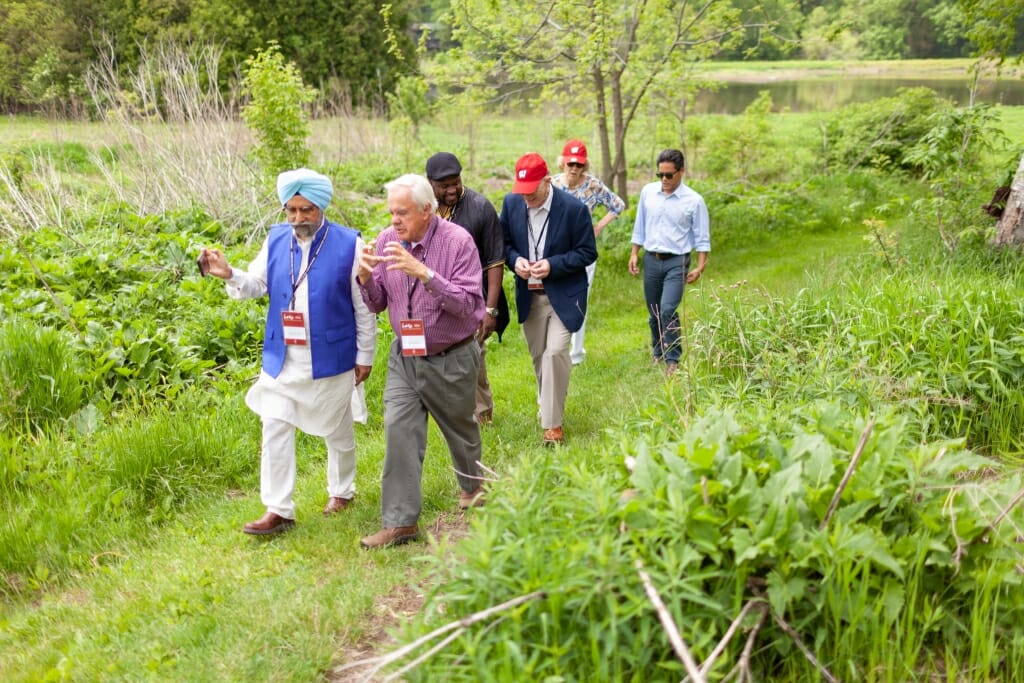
(270, 523)
(390, 536)
(336, 504)
(472, 499)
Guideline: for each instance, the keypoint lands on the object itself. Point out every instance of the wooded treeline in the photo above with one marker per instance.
(358, 49)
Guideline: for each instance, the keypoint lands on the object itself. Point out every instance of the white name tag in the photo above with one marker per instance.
(294, 328)
(414, 337)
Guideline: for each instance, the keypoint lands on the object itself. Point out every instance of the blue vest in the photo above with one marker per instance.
(331, 317)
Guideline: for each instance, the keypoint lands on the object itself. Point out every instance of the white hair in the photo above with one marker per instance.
(419, 186)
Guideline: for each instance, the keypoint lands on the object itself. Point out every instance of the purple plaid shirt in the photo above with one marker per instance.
(452, 305)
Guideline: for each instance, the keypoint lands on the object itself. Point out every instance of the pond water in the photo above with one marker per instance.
(827, 94)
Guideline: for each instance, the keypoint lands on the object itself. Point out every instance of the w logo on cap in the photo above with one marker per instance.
(575, 150)
(522, 174)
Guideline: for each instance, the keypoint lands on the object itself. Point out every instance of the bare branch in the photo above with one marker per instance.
(669, 624)
(849, 472)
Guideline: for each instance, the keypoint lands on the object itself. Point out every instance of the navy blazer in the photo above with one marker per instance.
(569, 248)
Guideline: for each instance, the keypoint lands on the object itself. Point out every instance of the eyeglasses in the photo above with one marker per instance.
(308, 210)
(666, 176)
(573, 164)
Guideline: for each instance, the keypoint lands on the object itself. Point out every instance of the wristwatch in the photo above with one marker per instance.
(430, 276)
(493, 312)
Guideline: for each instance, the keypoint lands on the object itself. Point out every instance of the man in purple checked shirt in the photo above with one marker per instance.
(426, 272)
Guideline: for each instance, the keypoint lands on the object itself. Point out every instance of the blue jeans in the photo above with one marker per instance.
(663, 290)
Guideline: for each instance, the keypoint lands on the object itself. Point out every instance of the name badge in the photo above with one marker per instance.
(414, 337)
(294, 323)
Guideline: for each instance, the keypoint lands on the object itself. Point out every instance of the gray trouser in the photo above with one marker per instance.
(442, 386)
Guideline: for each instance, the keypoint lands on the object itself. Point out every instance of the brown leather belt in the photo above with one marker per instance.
(456, 345)
(663, 257)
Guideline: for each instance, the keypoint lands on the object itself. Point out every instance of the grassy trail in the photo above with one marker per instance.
(198, 600)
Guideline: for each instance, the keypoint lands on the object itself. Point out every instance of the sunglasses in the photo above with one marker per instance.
(575, 165)
(666, 176)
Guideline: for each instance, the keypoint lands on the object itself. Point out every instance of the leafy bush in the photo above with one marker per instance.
(746, 516)
(879, 134)
(275, 110)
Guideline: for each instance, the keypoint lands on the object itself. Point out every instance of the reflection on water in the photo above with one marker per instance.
(820, 94)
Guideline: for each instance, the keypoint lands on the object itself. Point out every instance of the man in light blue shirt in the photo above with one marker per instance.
(671, 222)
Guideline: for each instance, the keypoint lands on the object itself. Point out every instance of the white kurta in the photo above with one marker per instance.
(316, 406)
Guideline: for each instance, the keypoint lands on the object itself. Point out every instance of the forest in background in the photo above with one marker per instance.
(356, 51)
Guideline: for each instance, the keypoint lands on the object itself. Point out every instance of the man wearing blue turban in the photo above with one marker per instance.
(318, 344)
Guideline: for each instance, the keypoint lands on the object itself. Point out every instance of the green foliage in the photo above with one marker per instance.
(949, 157)
(743, 151)
(127, 289)
(879, 134)
(276, 111)
(730, 510)
(39, 373)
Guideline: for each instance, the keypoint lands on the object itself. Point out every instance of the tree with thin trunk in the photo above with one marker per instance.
(607, 57)
(993, 28)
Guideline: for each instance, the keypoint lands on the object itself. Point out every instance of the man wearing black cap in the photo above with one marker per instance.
(472, 211)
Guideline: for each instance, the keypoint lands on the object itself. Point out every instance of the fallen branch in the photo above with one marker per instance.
(729, 633)
(849, 473)
(678, 645)
(803, 648)
(380, 662)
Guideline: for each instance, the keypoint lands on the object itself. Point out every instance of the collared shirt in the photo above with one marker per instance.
(537, 226)
(451, 306)
(676, 223)
(591, 192)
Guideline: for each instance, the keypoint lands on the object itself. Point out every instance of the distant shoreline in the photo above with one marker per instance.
(768, 72)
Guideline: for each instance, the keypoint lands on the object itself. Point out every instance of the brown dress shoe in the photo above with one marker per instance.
(553, 436)
(485, 417)
(270, 523)
(473, 499)
(390, 536)
(336, 504)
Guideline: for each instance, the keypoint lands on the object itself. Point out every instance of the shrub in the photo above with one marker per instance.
(275, 110)
(880, 133)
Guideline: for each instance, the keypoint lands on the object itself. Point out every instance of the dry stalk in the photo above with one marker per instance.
(849, 473)
(682, 651)
(804, 649)
(460, 625)
(729, 633)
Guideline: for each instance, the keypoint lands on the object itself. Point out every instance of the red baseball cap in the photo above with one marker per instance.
(530, 170)
(575, 152)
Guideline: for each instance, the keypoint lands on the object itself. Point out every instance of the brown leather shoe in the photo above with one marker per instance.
(473, 499)
(485, 417)
(270, 523)
(553, 436)
(336, 504)
(390, 536)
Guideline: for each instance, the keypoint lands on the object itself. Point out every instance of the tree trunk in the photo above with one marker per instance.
(619, 130)
(1010, 229)
(602, 124)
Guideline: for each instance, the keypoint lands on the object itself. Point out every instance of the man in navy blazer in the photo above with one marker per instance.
(549, 242)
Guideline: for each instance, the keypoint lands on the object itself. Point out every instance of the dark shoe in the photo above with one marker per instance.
(473, 499)
(553, 436)
(390, 536)
(270, 523)
(336, 504)
(485, 417)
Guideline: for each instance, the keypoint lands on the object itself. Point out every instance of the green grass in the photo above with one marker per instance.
(130, 560)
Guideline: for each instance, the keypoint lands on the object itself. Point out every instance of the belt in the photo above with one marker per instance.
(663, 257)
(456, 345)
